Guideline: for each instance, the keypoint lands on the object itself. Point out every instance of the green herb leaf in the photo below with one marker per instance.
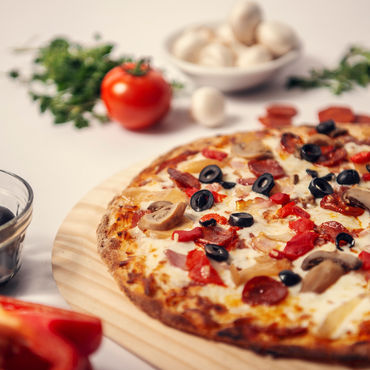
(353, 70)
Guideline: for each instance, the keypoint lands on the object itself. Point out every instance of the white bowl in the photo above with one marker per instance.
(229, 79)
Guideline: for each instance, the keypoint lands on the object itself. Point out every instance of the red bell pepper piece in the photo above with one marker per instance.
(188, 235)
(301, 225)
(201, 270)
(365, 258)
(280, 198)
(366, 177)
(46, 337)
(361, 158)
(300, 244)
(214, 154)
(292, 209)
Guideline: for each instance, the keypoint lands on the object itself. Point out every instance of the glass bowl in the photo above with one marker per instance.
(16, 196)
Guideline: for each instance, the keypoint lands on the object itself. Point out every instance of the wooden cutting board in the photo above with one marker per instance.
(86, 285)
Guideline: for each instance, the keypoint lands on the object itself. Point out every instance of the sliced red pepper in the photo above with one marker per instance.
(334, 202)
(366, 177)
(301, 225)
(188, 235)
(290, 209)
(280, 198)
(300, 244)
(281, 110)
(200, 269)
(52, 338)
(365, 258)
(361, 158)
(338, 114)
(214, 154)
(218, 218)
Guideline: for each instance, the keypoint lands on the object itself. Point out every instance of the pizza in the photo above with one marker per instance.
(257, 239)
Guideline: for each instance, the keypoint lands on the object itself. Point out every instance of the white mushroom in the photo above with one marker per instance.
(278, 37)
(253, 55)
(188, 45)
(216, 54)
(208, 106)
(244, 18)
(225, 34)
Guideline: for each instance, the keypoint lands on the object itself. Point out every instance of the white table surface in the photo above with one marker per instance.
(62, 163)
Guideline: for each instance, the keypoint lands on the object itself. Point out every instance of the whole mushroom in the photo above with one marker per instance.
(216, 54)
(253, 55)
(188, 45)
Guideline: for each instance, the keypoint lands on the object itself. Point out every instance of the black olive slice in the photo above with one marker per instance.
(312, 173)
(325, 127)
(368, 167)
(345, 237)
(310, 152)
(264, 184)
(329, 177)
(210, 222)
(320, 187)
(209, 174)
(201, 200)
(227, 184)
(216, 252)
(241, 219)
(5, 215)
(289, 278)
(348, 177)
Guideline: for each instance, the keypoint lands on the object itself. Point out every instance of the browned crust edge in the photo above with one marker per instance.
(357, 354)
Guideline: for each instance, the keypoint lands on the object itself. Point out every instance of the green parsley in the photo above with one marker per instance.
(353, 69)
(70, 76)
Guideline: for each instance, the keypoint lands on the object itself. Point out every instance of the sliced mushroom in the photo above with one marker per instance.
(250, 150)
(322, 276)
(164, 218)
(320, 139)
(155, 206)
(357, 196)
(347, 261)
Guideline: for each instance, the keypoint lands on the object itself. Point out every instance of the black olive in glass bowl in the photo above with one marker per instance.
(289, 278)
(201, 200)
(241, 219)
(320, 187)
(264, 184)
(209, 174)
(310, 152)
(326, 127)
(348, 177)
(216, 252)
(5, 215)
(344, 237)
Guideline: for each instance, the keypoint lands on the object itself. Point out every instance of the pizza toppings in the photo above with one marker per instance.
(216, 252)
(155, 206)
(347, 238)
(326, 127)
(310, 152)
(241, 219)
(183, 180)
(300, 244)
(292, 209)
(361, 158)
(210, 174)
(289, 278)
(261, 166)
(332, 156)
(330, 229)
(337, 114)
(264, 290)
(301, 225)
(334, 202)
(200, 269)
(202, 200)
(320, 188)
(252, 150)
(164, 218)
(280, 198)
(213, 216)
(359, 197)
(176, 259)
(348, 177)
(290, 142)
(214, 154)
(187, 235)
(264, 184)
(227, 184)
(365, 258)
(312, 173)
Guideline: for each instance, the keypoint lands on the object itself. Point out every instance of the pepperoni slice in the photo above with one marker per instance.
(246, 180)
(362, 118)
(183, 180)
(334, 202)
(337, 113)
(332, 157)
(330, 229)
(275, 122)
(281, 110)
(289, 142)
(219, 219)
(260, 166)
(264, 290)
(217, 235)
(214, 154)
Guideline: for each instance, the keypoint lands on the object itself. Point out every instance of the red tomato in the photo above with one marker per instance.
(135, 95)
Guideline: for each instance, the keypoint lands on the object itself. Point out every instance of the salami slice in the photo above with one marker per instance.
(337, 113)
(290, 142)
(260, 166)
(281, 110)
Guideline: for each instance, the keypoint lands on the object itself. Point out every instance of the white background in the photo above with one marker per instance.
(62, 163)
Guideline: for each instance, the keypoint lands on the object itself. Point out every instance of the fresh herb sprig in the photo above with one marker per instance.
(353, 70)
(70, 76)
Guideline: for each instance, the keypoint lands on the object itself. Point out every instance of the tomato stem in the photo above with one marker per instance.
(141, 68)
